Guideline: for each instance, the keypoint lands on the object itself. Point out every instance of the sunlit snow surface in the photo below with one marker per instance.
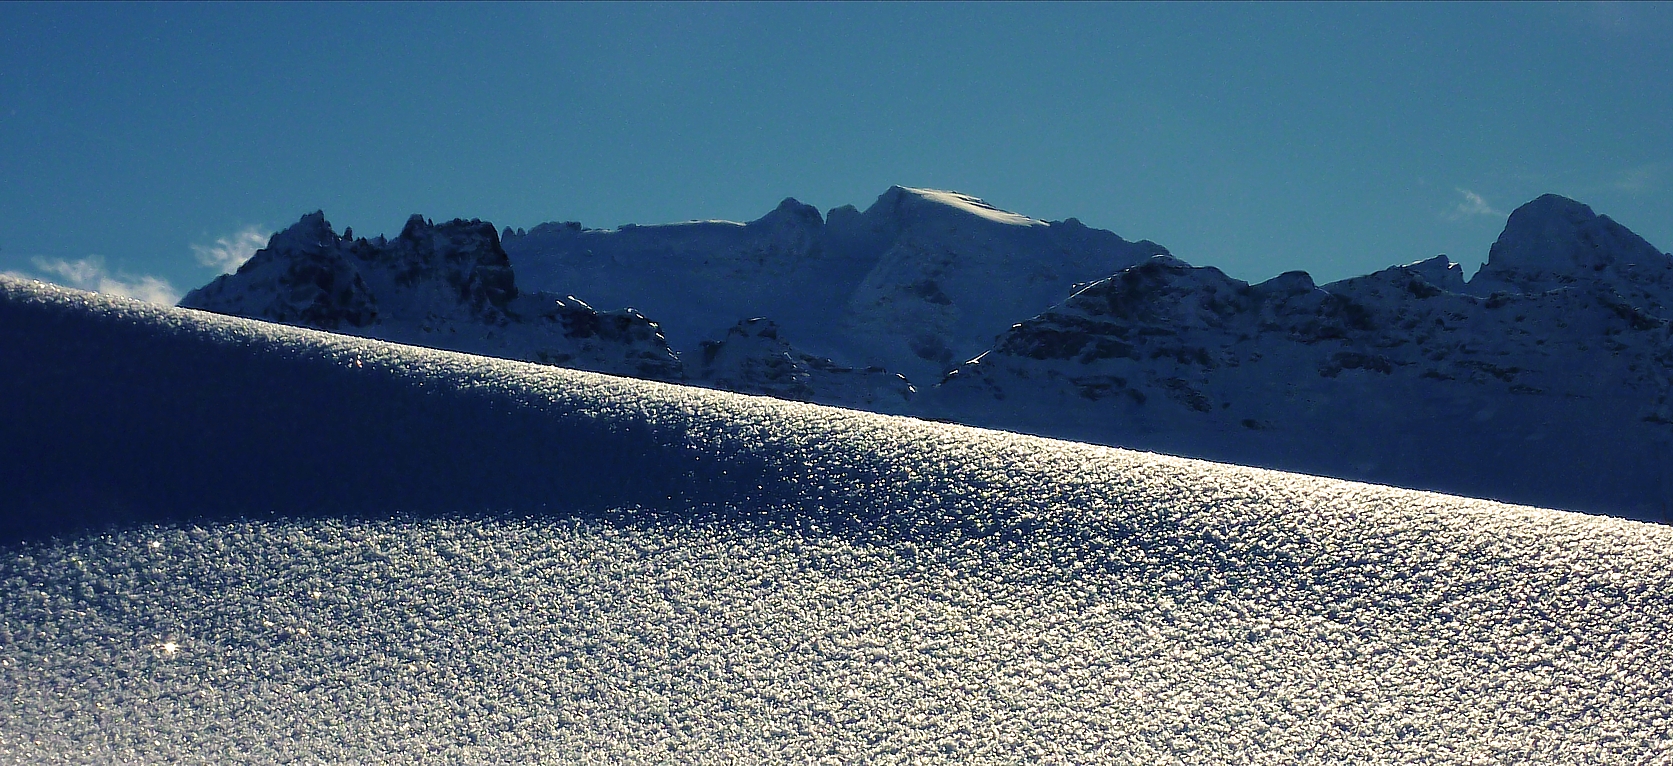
(719, 578)
(975, 206)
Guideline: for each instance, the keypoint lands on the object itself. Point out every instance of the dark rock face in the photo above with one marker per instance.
(327, 293)
(1198, 320)
(321, 286)
(1166, 309)
(309, 275)
(753, 358)
(468, 253)
(631, 343)
(770, 367)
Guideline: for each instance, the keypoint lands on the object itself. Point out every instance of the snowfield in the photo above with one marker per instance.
(232, 540)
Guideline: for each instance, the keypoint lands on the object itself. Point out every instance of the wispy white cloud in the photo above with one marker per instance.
(231, 251)
(90, 274)
(1640, 178)
(1471, 206)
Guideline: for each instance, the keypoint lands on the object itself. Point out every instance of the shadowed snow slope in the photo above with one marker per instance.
(641, 572)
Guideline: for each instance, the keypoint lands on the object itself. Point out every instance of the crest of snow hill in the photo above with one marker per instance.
(1546, 379)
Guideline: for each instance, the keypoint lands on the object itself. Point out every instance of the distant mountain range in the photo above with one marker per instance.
(1546, 379)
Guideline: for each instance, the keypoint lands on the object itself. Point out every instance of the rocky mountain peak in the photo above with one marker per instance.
(312, 233)
(447, 285)
(415, 227)
(1287, 283)
(1555, 241)
(458, 239)
(465, 255)
(792, 212)
(1552, 363)
(1440, 271)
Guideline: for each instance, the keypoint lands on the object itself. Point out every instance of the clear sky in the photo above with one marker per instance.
(1336, 138)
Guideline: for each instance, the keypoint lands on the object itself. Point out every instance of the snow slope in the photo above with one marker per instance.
(495, 562)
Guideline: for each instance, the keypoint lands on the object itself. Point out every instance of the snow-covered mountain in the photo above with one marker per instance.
(1555, 243)
(1547, 378)
(445, 285)
(916, 283)
(324, 548)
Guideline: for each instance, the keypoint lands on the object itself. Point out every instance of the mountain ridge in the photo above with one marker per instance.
(447, 285)
(840, 285)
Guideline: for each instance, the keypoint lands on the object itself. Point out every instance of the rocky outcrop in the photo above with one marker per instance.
(303, 277)
(447, 285)
(754, 359)
(620, 341)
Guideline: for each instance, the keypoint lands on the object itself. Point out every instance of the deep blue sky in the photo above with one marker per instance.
(1258, 138)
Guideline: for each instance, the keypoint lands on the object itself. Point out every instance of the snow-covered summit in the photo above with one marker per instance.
(950, 273)
(918, 281)
(904, 202)
(1556, 243)
(1555, 234)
